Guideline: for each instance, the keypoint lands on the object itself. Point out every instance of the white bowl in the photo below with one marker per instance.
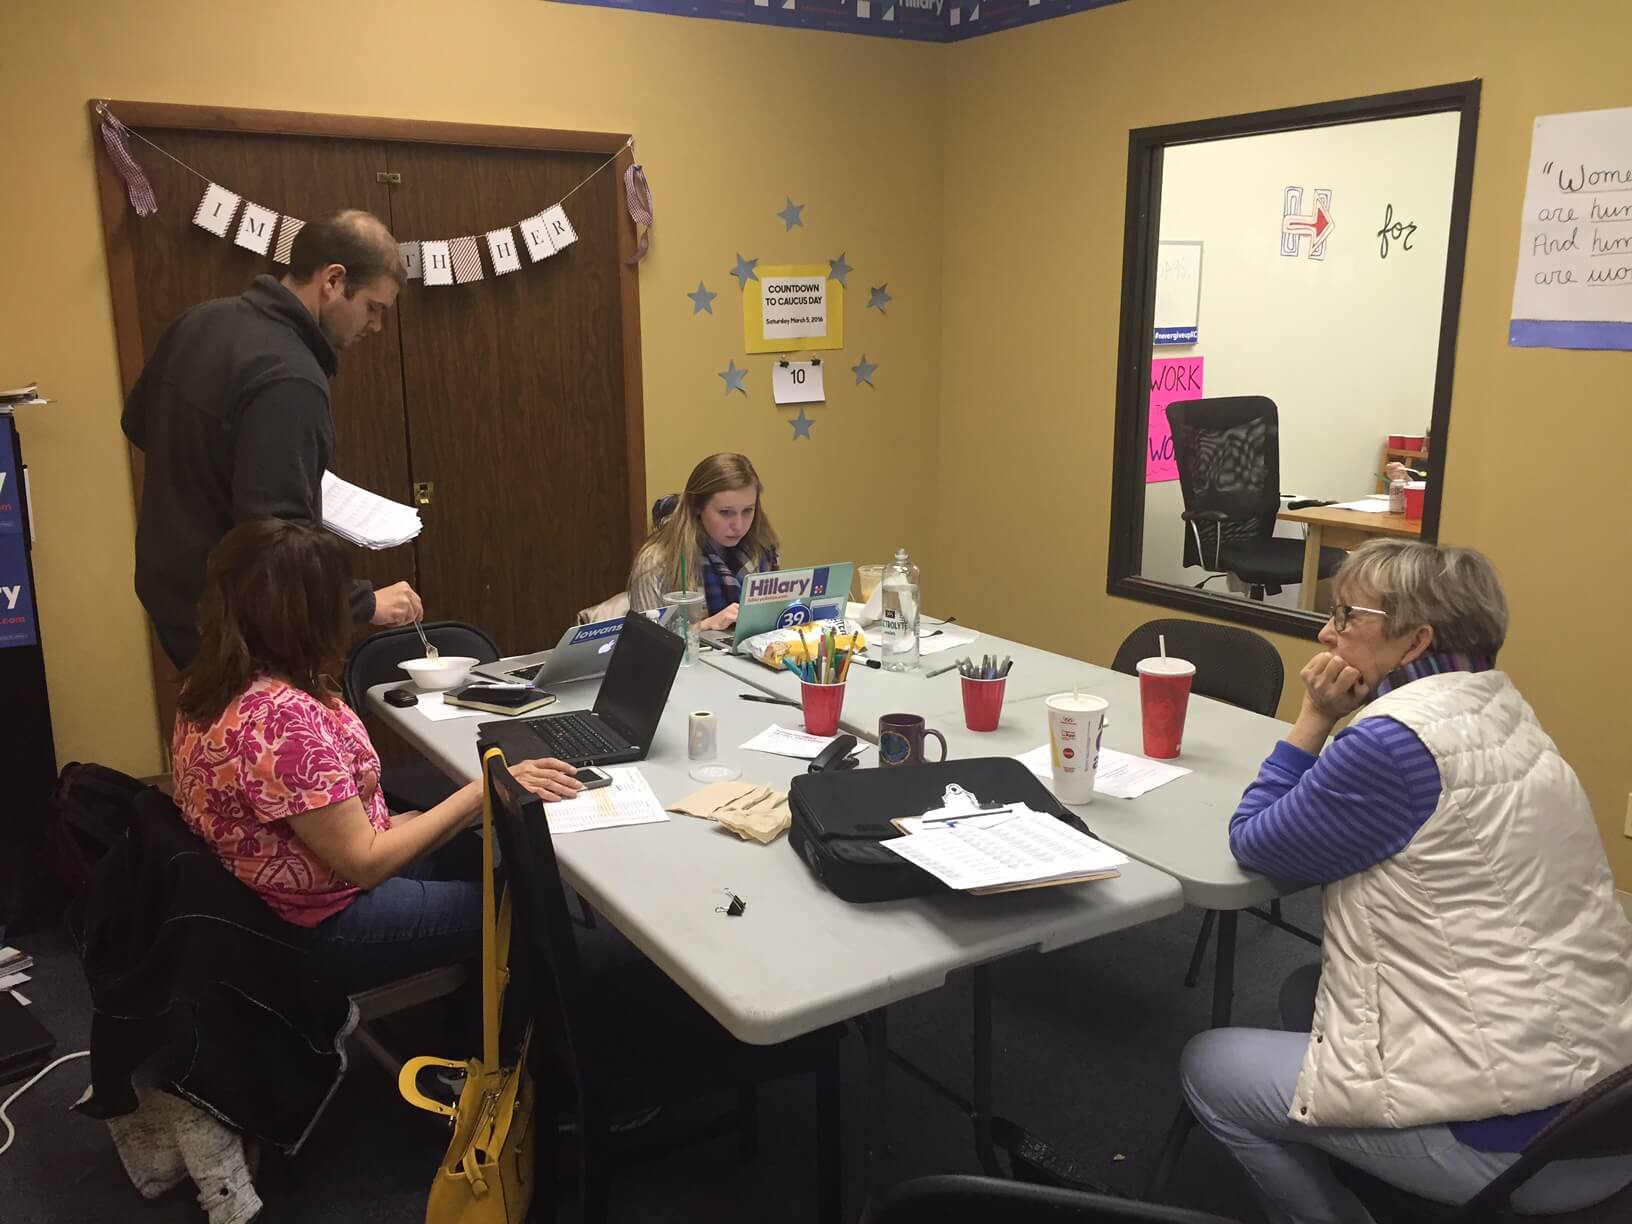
(450, 671)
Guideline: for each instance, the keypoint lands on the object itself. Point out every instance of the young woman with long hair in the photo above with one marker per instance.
(719, 527)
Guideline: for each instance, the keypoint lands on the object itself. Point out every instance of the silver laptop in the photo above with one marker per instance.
(583, 653)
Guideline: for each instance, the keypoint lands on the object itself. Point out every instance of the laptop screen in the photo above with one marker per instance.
(638, 679)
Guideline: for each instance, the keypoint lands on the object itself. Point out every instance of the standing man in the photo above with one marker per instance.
(232, 416)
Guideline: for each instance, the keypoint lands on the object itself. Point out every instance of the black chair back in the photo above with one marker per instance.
(1233, 665)
(543, 952)
(1228, 452)
(374, 659)
(1596, 1123)
(963, 1199)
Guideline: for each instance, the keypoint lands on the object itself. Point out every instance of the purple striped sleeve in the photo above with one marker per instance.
(1317, 819)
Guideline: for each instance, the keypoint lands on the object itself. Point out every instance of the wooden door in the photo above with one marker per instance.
(173, 264)
(515, 389)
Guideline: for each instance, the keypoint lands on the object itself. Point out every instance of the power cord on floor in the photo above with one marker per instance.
(11, 1131)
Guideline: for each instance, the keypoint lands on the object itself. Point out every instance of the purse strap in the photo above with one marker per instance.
(495, 929)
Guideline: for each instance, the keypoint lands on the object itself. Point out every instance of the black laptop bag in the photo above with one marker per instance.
(839, 819)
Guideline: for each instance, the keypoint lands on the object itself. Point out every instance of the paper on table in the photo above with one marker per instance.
(1030, 848)
(932, 639)
(785, 741)
(22, 998)
(628, 801)
(12, 982)
(1121, 775)
(366, 518)
(1366, 505)
(436, 709)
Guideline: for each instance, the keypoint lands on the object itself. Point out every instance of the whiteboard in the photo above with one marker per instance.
(1178, 292)
(1575, 246)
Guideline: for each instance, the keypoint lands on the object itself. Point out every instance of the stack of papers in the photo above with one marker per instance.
(785, 741)
(1366, 505)
(1121, 775)
(12, 397)
(365, 518)
(14, 966)
(628, 801)
(1004, 852)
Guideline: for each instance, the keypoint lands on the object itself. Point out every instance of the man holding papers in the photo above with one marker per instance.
(232, 416)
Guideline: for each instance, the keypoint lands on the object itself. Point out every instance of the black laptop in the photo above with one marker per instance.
(627, 709)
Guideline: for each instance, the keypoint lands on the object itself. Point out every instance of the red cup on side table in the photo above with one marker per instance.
(822, 704)
(1415, 492)
(983, 702)
(1164, 698)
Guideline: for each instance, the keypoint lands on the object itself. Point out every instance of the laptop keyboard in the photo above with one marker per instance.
(574, 738)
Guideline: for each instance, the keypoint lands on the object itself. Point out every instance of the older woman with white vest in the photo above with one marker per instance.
(1476, 969)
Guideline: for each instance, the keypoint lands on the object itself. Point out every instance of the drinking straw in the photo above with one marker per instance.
(682, 571)
(1161, 641)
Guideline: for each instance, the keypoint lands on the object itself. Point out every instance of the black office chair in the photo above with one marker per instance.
(962, 1199)
(1228, 452)
(419, 785)
(1597, 1123)
(1232, 665)
(631, 1038)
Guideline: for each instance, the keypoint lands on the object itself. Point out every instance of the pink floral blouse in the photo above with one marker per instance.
(276, 752)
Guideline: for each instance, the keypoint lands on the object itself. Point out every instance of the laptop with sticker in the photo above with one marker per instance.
(583, 653)
(780, 599)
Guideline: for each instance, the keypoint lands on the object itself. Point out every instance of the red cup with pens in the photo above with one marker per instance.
(983, 684)
(821, 681)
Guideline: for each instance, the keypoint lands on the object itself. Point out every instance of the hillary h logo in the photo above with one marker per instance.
(1296, 225)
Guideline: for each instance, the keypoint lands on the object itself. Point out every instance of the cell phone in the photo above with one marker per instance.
(591, 778)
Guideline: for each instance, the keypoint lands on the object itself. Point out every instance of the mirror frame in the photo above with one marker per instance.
(1139, 251)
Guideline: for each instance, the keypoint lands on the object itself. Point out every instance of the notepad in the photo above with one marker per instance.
(1030, 851)
(365, 518)
(628, 801)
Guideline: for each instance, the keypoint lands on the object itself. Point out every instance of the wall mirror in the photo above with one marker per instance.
(1291, 286)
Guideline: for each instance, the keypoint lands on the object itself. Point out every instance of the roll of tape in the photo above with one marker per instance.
(703, 736)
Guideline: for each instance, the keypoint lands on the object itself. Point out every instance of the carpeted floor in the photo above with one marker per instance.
(1087, 1046)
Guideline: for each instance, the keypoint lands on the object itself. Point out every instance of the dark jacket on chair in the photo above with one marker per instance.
(191, 973)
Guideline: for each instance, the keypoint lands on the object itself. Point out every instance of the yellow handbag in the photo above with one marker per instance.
(487, 1175)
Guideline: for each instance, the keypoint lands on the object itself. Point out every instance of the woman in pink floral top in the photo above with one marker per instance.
(278, 776)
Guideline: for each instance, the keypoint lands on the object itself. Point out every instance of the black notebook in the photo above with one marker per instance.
(24, 1043)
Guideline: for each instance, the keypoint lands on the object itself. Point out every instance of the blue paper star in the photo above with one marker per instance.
(864, 371)
(837, 270)
(791, 214)
(734, 378)
(702, 300)
(744, 271)
(801, 425)
(879, 298)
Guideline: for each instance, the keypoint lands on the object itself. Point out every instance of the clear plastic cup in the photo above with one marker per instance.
(689, 612)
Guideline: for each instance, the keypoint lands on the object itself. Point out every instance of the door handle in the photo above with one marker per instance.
(424, 491)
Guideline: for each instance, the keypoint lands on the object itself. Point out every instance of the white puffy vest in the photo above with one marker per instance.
(1486, 968)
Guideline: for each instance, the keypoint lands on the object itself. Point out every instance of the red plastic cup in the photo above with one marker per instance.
(982, 702)
(1164, 697)
(822, 704)
(1415, 491)
(1396, 441)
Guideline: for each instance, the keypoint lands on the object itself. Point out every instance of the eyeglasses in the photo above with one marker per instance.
(1342, 613)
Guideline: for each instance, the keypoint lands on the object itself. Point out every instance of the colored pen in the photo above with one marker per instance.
(768, 700)
(941, 671)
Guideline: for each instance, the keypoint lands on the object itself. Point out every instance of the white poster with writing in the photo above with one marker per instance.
(1574, 283)
(795, 307)
(797, 382)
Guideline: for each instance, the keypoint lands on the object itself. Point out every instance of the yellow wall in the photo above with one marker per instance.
(1041, 115)
(1001, 339)
(729, 120)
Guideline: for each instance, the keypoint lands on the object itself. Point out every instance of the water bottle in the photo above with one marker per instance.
(900, 627)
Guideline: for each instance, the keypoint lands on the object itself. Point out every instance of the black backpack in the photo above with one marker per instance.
(91, 810)
(839, 819)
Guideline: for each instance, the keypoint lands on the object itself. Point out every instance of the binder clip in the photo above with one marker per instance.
(735, 908)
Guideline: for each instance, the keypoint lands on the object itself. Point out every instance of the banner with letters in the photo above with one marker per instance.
(18, 624)
(919, 20)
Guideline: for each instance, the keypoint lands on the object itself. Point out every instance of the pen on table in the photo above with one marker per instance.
(768, 700)
(941, 671)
